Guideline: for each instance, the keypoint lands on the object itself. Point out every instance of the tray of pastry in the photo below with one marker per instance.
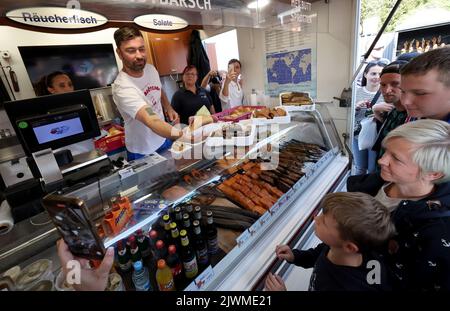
(233, 134)
(297, 101)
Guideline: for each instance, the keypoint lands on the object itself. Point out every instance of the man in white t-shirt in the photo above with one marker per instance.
(231, 94)
(140, 99)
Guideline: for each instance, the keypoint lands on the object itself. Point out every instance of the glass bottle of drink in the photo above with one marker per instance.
(198, 213)
(211, 234)
(178, 216)
(164, 277)
(123, 257)
(143, 244)
(189, 209)
(167, 235)
(188, 257)
(148, 258)
(175, 235)
(140, 277)
(161, 251)
(134, 250)
(174, 262)
(201, 248)
(154, 237)
(187, 225)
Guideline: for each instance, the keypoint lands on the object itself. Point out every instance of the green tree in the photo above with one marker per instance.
(382, 8)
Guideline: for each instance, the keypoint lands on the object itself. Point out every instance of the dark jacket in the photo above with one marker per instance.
(327, 276)
(197, 56)
(422, 260)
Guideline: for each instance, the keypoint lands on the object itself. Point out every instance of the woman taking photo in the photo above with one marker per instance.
(366, 96)
(414, 185)
(231, 93)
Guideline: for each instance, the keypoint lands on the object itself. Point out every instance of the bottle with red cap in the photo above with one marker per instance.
(164, 277)
(134, 249)
(143, 244)
(154, 237)
(161, 251)
(175, 264)
(124, 260)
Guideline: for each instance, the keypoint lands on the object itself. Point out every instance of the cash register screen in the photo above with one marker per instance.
(53, 121)
(57, 130)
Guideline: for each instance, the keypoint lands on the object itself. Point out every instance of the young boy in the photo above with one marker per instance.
(352, 224)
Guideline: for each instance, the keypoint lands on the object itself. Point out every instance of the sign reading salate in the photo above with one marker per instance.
(160, 22)
(55, 17)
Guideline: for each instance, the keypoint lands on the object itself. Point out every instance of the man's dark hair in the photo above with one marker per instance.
(126, 33)
(437, 59)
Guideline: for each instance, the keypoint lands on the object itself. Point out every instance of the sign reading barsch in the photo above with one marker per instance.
(161, 22)
(55, 17)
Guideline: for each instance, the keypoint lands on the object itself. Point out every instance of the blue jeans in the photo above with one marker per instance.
(364, 160)
(134, 156)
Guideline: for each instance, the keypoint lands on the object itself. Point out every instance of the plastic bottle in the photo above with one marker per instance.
(164, 277)
(141, 278)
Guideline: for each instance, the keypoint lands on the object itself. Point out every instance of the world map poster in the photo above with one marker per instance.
(290, 71)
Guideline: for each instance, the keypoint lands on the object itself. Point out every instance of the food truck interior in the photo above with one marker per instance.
(273, 43)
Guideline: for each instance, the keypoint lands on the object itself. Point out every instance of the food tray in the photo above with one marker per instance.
(276, 120)
(111, 142)
(297, 106)
(225, 115)
(185, 153)
(233, 141)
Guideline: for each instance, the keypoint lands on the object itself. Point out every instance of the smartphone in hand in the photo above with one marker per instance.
(70, 216)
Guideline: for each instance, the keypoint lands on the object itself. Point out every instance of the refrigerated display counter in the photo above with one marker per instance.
(260, 195)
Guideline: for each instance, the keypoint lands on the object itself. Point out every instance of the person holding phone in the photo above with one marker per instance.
(231, 93)
(91, 279)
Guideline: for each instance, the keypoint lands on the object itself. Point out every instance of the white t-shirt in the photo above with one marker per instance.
(131, 94)
(235, 96)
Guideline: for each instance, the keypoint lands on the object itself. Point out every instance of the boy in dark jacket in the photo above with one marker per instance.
(351, 226)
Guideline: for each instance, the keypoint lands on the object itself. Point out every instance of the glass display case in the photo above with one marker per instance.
(259, 196)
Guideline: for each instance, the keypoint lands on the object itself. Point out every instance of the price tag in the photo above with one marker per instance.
(264, 219)
(126, 172)
(243, 238)
(254, 228)
(274, 209)
(202, 280)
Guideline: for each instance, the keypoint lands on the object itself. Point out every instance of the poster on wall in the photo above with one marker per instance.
(290, 63)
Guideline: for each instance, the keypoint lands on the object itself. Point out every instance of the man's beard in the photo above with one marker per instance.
(136, 66)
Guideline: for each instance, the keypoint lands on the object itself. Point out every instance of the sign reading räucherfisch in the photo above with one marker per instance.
(56, 17)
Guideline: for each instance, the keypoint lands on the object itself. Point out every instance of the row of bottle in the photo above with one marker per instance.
(187, 255)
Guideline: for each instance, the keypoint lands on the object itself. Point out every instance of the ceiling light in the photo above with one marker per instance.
(258, 4)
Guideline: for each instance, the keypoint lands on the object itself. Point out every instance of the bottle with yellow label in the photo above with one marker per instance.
(164, 277)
